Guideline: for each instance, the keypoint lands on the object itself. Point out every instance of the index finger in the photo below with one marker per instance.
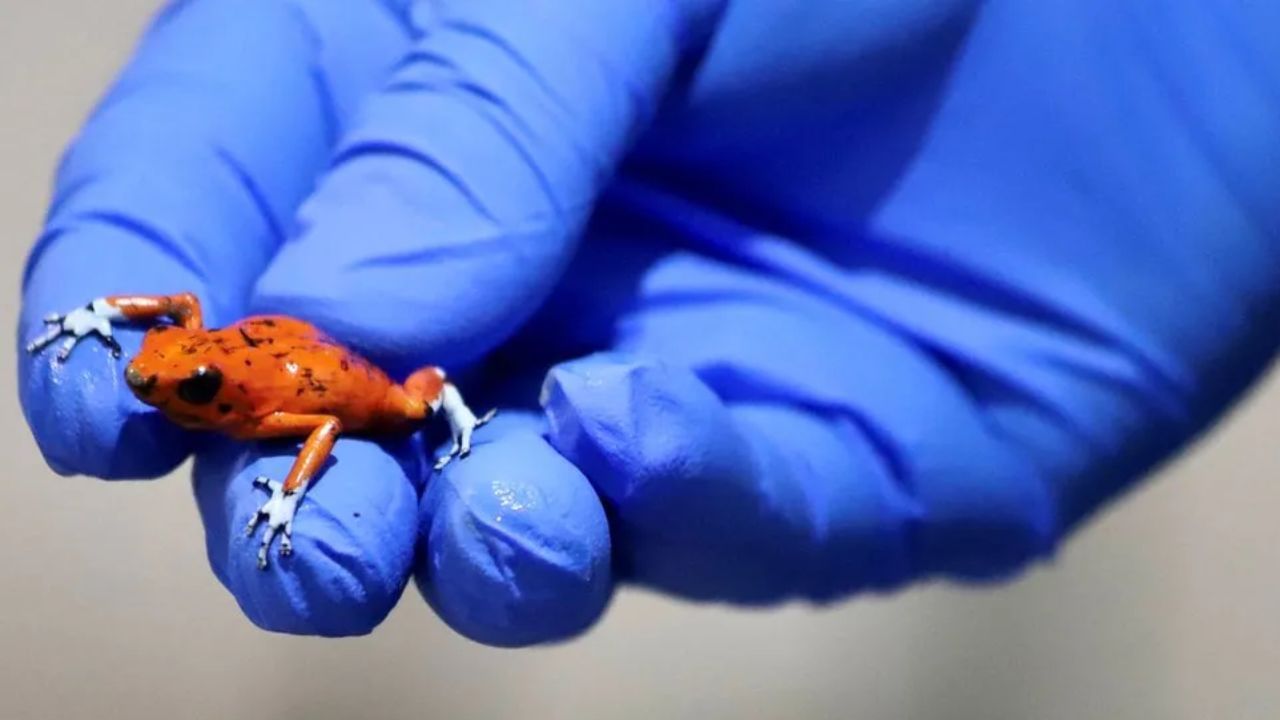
(185, 178)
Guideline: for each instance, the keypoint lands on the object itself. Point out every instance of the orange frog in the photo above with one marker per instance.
(263, 377)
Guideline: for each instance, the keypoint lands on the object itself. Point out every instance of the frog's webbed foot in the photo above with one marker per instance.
(462, 424)
(278, 513)
(93, 318)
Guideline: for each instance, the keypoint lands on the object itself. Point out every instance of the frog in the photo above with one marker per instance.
(268, 376)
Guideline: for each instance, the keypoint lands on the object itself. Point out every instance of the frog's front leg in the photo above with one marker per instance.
(278, 512)
(96, 317)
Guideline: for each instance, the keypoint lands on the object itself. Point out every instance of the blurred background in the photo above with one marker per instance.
(1164, 607)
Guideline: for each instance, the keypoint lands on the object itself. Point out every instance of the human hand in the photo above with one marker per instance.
(868, 295)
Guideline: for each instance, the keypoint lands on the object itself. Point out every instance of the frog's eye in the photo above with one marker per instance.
(202, 387)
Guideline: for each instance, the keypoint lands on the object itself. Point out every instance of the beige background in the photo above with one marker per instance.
(1165, 608)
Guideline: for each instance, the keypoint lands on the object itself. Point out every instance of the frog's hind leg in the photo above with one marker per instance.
(429, 389)
(321, 431)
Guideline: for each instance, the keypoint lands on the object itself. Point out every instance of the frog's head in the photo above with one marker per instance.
(175, 373)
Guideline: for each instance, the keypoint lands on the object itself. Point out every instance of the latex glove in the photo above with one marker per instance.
(885, 291)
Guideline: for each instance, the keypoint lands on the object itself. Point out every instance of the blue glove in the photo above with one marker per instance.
(779, 300)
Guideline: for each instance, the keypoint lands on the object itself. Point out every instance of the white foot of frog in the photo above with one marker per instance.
(94, 318)
(278, 513)
(462, 423)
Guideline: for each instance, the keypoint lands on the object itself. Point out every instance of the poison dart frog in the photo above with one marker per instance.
(263, 377)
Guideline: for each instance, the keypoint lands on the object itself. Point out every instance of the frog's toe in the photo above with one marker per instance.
(68, 345)
(448, 457)
(262, 513)
(265, 547)
(274, 528)
(45, 338)
(266, 483)
(257, 517)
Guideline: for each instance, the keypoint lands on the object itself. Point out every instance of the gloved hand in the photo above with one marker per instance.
(816, 298)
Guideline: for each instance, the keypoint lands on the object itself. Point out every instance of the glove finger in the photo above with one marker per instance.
(758, 441)
(468, 177)
(353, 534)
(184, 179)
(751, 503)
(514, 544)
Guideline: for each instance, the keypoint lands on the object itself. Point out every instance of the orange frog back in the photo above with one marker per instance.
(231, 378)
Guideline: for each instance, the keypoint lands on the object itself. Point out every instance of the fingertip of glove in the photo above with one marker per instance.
(627, 421)
(514, 544)
(85, 422)
(80, 412)
(353, 537)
